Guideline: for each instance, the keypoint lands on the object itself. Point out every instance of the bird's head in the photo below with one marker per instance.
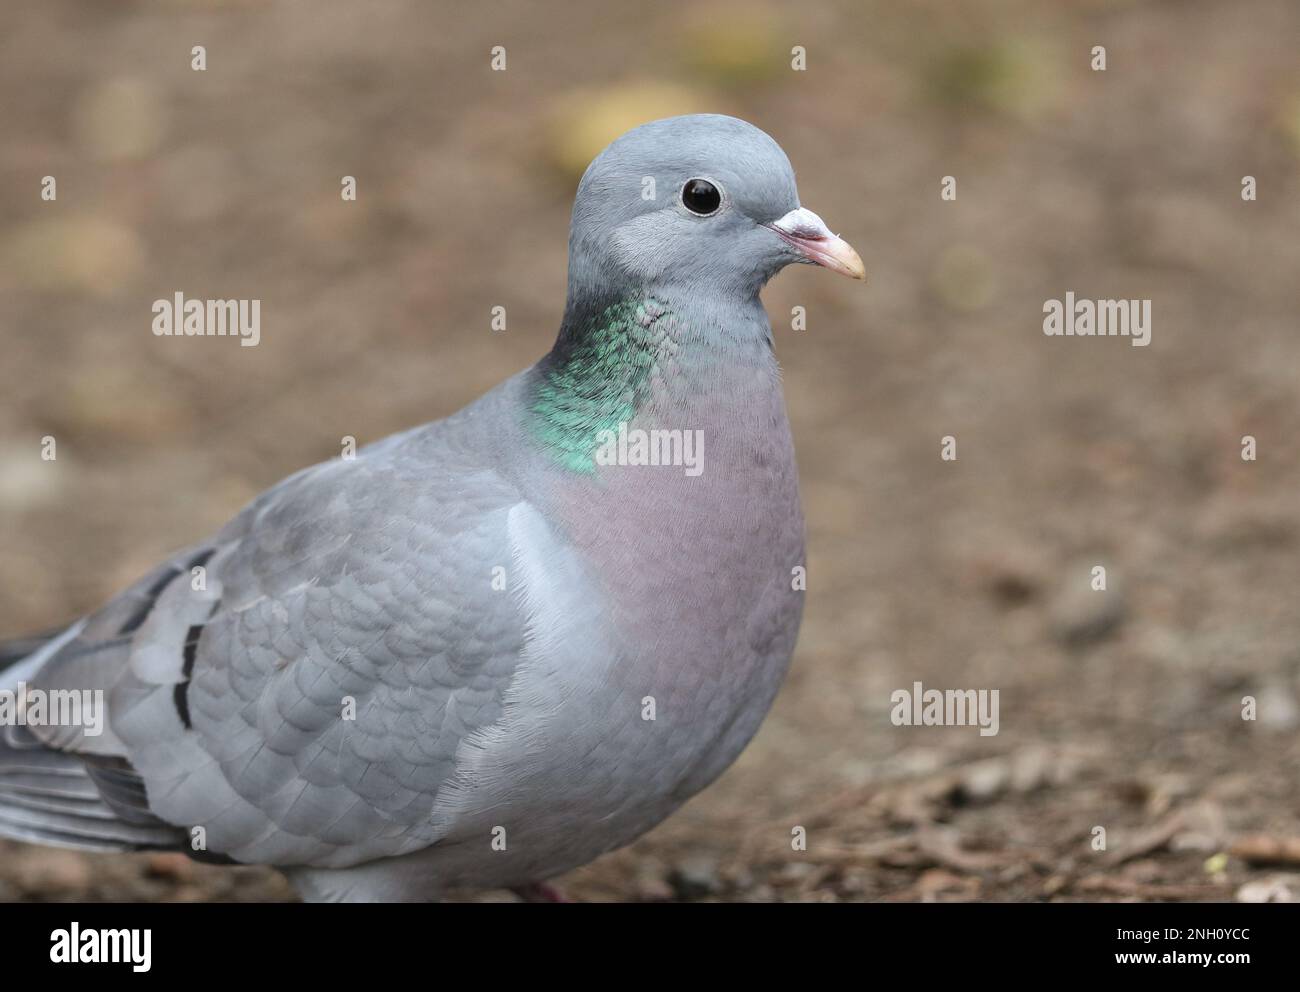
(696, 202)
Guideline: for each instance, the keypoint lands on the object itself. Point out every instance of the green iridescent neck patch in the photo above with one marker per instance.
(595, 379)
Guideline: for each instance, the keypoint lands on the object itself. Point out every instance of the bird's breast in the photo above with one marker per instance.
(693, 540)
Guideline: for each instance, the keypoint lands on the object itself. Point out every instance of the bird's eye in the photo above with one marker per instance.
(700, 196)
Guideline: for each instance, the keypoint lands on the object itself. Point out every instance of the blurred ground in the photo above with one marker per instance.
(1120, 710)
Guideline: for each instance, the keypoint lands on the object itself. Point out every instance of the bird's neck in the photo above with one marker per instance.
(647, 355)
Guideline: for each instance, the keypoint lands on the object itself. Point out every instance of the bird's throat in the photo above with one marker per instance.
(674, 362)
(597, 377)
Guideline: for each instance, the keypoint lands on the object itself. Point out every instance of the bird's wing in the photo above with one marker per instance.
(295, 690)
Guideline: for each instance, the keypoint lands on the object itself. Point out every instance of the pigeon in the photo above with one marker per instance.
(487, 650)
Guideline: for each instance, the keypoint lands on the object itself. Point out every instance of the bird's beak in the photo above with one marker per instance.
(808, 234)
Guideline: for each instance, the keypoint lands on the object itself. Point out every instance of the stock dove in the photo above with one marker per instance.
(488, 649)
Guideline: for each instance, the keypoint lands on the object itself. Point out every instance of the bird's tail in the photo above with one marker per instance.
(60, 798)
(20, 647)
(22, 657)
